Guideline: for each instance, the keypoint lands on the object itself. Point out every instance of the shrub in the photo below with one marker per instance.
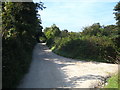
(95, 42)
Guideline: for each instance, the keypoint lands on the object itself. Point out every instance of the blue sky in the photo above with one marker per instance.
(73, 15)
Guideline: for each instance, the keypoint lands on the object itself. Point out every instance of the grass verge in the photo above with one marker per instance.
(113, 82)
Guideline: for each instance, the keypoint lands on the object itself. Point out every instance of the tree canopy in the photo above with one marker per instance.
(20, 24)
(117, 13)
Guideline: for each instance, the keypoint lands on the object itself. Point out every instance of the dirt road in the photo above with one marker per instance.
(49, 70)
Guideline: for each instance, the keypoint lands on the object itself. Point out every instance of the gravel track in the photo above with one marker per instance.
(49, 70)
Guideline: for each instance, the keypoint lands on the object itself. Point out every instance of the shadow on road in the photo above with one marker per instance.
(45, 71)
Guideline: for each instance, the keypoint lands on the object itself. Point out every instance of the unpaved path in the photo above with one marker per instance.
(49, 70)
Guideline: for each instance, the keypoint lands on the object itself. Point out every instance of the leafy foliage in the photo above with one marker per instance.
(51, 33)
(95, 42)
(92, 30)
(117, 13)
(19, 28)
(117, 16)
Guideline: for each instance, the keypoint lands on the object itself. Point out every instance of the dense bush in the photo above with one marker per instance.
(94, 43)
(19, 27)
(16, 60)
(51, 33)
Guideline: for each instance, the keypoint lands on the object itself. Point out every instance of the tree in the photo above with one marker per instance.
(51, 33)
(117, 17)
(20, 24)
(109, 30)
(117, 13)
(92, 30)
(55, 30)
(64, 33)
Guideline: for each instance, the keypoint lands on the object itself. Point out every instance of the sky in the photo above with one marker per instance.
(73, 15)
